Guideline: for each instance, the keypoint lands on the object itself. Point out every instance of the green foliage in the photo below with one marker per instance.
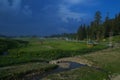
(116, 39)
(17, 72)
(99, 30)
(98, 17)
(82, 32)
(6, 44)
(49, 50)
(83, 73)
(63, 35)
(108, 60)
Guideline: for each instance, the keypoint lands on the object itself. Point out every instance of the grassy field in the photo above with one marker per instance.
(19, 71)
(46, 50)
(83, 73)
(108, 60)
(39, 51)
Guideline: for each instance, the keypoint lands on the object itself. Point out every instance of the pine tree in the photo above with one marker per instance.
(98, 25)
(106, 25)
(98, 30)
(82, 33)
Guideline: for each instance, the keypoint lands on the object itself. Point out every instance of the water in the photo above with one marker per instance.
(5, 53)
(71, 65)
(68, 66)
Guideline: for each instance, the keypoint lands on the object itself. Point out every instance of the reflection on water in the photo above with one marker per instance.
(5, 53)
(63, 66)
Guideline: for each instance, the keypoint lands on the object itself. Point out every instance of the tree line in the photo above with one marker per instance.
(97, 29)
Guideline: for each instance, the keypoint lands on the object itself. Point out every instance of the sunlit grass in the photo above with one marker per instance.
(109, 60)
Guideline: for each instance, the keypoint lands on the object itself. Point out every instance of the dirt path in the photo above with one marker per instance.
(116, 78)
(76, 59)
(79, 59)
(83, 60)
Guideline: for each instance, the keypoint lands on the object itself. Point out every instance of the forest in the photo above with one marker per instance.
(98, 29)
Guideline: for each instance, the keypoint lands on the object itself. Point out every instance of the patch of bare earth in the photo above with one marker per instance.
(116, 78)
(76, 59)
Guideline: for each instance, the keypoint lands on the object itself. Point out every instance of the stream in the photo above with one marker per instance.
(63, 66)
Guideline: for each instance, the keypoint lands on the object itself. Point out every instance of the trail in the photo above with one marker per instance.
(84, 61)
(116, 78)
(76, 59)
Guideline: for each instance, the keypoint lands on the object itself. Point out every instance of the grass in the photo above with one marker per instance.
(46, 51)
(16, 72)
(109, 60)
(83, 73)
(39, 51)
(53, 44)
(115, 39)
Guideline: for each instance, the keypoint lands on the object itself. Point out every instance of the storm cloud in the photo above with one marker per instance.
(46, 17)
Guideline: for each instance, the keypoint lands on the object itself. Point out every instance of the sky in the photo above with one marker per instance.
(47, 17)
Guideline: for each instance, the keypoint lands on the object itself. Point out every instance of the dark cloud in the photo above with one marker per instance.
(46, 17)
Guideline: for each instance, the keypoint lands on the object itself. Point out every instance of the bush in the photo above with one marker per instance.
(6, 44)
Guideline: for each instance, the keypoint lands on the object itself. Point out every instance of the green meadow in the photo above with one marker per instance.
(32, 55)
(46, 50)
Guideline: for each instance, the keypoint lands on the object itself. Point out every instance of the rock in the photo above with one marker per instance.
(53, 62)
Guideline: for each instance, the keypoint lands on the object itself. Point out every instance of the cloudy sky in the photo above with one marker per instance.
(46, 17)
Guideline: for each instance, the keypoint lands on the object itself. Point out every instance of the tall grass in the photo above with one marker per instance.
(17, 57)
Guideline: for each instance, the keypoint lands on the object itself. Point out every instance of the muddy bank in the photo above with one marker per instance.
(76, 59)
(63, 66)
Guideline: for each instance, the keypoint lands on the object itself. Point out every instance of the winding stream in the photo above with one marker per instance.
(63, 66)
